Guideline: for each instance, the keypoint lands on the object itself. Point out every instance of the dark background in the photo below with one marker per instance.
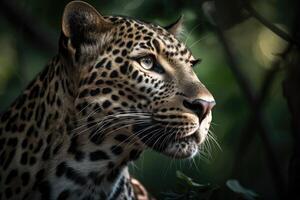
(243, 64)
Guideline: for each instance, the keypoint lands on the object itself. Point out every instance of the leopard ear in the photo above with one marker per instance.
(176, 27)
(82, 23)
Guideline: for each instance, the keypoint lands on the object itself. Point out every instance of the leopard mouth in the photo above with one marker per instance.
(163, 141)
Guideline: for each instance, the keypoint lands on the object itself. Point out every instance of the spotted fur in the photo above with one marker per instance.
(95, 107)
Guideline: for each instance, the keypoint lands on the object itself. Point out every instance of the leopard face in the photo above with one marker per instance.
(136, 79)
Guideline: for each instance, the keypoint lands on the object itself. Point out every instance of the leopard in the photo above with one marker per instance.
(116, 87)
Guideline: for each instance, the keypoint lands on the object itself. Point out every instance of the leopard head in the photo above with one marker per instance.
(135, 78)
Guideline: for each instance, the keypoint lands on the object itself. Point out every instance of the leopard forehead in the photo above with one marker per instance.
(136, 35)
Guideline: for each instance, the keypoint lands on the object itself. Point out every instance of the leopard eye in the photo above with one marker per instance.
(147, 62)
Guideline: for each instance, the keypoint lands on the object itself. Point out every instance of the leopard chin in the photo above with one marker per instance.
(164, 143)
(186, 147)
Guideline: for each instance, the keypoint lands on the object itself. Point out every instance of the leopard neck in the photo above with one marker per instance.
(98, 160)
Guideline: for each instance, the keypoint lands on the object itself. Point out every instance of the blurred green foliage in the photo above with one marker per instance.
(189, 189)
(255, 49)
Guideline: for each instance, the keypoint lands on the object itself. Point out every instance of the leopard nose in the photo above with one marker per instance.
(199, 106)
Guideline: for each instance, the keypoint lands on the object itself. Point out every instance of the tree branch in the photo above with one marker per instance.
(269, 25)
(247, 137)
(257, 115)
(291, 88)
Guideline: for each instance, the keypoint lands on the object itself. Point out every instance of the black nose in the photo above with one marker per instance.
(199, 106)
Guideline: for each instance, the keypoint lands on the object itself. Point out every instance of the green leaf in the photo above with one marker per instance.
(189, 181)
(236, 187)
